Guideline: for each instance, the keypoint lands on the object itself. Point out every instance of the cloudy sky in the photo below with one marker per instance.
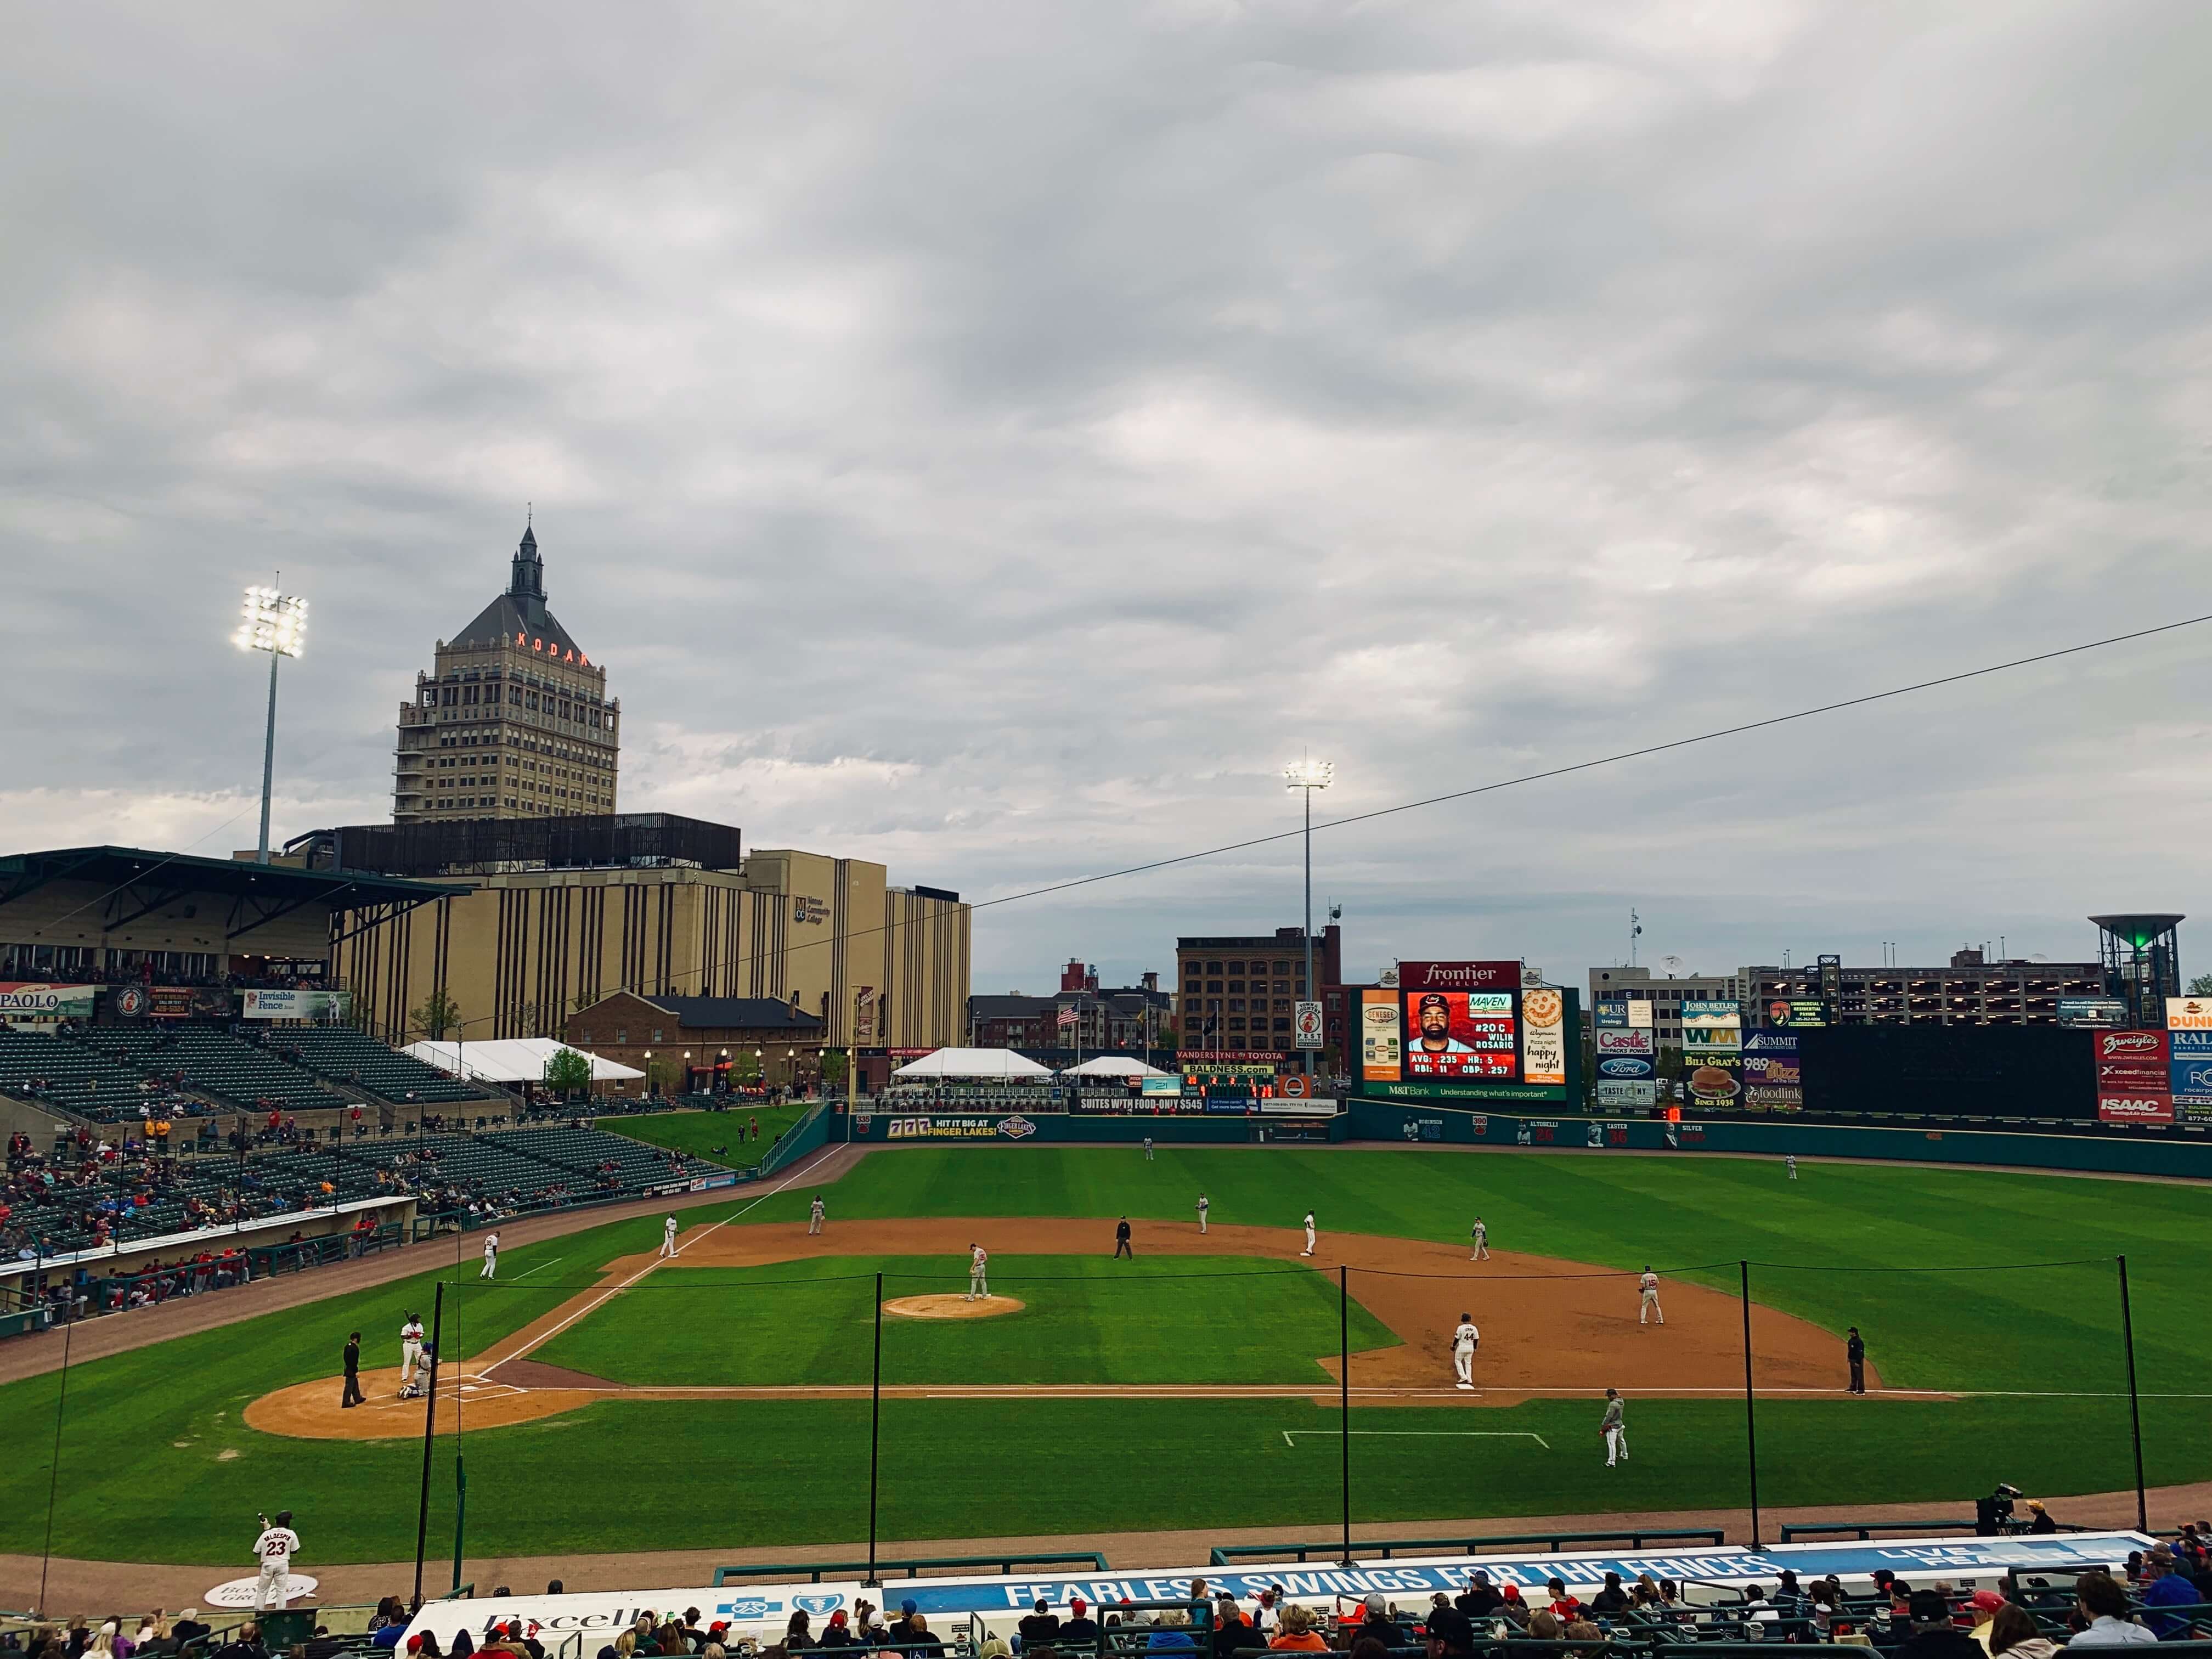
(992, 439)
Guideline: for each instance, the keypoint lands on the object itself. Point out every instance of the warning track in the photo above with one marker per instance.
(1548, 1328)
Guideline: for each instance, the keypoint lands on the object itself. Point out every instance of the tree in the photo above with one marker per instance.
(2201, 985)
(660, 1075)
(746, 1067)
(567, 1073)
(438, 1015)
(833, 1067)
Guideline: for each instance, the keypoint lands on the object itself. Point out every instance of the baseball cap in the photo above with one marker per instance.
(1076, 1605)
(1928, 1607)
(1374, 1604)
(908, 1607)
(1987, 1599)
(1433, 999)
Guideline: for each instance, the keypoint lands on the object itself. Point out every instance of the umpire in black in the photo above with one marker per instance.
(353, 1395)
(1122, 1241)
(1854, 1351)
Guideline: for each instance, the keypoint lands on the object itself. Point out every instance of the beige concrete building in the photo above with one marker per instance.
(512, 720)
(518, 951)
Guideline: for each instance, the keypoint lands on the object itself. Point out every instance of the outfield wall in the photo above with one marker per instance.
(940, 1125)
(1391, 1121)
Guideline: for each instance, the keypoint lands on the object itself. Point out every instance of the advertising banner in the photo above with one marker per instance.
(1711, 1016)
(1622, 1043)
(1623, 1096)
(864, 1014)
(1715, 1081)
(1711, 1040)
(1461, 1034)
(2135, 1108)
(1772, 1079)
(2188, 1042)
(1153, 1088)
(2092, 1011)
(1639, 1014)
(961, 1128)
(34, 999)
(1769, 1042)
(2145, 1049)
(2189, 1079)
(1459, 975)
(1625, 1066)
(190, 1002)
(296, 1004)
(2189, 1013)
(1543, 1035)
(1306, 1025)
(1610, 1013)
(2134, 1081)
(1381, 1049)
(1788, 1011)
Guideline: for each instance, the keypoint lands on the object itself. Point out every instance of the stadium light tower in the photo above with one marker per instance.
(1306, 776)
(275, 623)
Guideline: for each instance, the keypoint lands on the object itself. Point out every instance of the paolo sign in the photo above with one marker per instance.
(1459, 975)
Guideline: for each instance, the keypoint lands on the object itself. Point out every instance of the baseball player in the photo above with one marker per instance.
(668, 1238)
(1649, 1307)
(1615, 1435)
(1481, 1241)
(1121, 1239)
(491, 1257)
(274, 1549)
(1309, 1249)
(410, 1355)
(1791, 1160)
(1148, 1149)
(1201, 1212)
(1465, 1341)
(815, 1214)
(978, 1286)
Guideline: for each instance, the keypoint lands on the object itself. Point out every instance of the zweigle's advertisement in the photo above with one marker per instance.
(1379, 1037)
(1460, 1034)
(1543, 1036)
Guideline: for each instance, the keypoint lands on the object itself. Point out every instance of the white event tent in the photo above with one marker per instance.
(1114, 1065)
(995, 1065)
(511, 1060)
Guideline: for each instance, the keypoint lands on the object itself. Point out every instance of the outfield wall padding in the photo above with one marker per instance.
(941, 1127)
(1391, 1121)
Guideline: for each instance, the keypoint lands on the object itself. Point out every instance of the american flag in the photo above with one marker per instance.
(1068, 1017)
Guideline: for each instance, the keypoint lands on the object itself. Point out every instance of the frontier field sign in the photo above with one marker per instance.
(1468, 1030)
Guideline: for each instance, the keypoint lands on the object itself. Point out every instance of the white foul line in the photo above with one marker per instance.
(1451, 1434)
(537, 1342)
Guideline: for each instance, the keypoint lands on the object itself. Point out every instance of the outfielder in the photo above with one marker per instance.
(1615, 1433)
(1649, 1308)
(1481, 1241)
(274, 1549)
(1465, 1341)
(978, 1286)
(668, 1237)
(1148, 1149)
(491, 1257)
(1201, 1212)
(410, 1355)
(815, 1214)
(1791, 1160)
(1309, 1249)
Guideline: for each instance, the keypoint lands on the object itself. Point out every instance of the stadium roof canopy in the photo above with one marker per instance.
(137, 881)
(998, 1064)
(511, 1060)
(1114, 1066)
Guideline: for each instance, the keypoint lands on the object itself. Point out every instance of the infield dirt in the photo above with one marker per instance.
(1548, 1326)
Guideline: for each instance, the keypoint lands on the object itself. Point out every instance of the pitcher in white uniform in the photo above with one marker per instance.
(978, 1285)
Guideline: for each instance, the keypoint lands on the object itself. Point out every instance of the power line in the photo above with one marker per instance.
(1766, 723)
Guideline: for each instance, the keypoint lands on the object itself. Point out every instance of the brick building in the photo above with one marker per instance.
(1237, 990)
(687, 1041)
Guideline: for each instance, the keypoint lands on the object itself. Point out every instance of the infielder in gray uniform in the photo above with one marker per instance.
(1615, 1434)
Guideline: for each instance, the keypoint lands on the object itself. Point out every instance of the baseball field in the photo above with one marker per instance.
(606, 1400)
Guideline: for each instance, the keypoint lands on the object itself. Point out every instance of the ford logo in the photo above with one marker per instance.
(1626, 1065)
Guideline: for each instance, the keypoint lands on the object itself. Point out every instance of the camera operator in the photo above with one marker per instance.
(1993, 1514)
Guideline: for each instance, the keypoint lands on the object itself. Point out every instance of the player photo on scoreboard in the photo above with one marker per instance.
(1460, 1034)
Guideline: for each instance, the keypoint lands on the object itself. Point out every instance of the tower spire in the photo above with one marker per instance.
(527, 579)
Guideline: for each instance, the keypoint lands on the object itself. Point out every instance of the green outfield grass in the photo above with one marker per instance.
(1084, 1319)
(143, 1476)
(700, 1133)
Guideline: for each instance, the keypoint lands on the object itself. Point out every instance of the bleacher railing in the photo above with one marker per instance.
(911, 1567)
(1227, 1555)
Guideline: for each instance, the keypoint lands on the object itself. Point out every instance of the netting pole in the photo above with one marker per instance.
(1344, 1390)
(2135, 1406)
(1750, 1413)
(54, 1479)
(875, 1429)
(429, 1431)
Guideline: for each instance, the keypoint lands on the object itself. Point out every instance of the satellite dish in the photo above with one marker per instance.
(1672, 964)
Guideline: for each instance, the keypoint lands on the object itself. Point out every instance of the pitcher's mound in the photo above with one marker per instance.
(951, 1307)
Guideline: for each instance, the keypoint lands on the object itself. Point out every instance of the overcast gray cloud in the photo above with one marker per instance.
(993, 438)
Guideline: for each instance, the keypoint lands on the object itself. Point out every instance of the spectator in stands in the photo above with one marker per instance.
(1450, 1633)
(1297, 1634)
(901, 1628)
(1040, 1624)
(919, 1639)
(1611, 1598)
(2039, 1517)
(2167, 1586)
(1563, 1607)
(1583, 1630)
(1479, 1599)
(2100, 1600)
(2013, 1631)
(188, 1627)
(1170, 1633)
(1376, 1622)
(247, 1644)
(1933, 1635)
(1543, 1626)
(1079, 1629)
